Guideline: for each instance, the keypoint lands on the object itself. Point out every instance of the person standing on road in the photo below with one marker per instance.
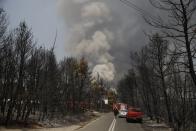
(115, 110)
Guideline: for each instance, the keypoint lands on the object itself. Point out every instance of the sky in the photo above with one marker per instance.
(42, 16)
(102, 31)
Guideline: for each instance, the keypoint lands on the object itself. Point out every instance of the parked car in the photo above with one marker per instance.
(123, 113)
(134, 114)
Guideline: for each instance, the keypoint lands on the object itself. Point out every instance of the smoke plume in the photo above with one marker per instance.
(90, 37)
(104, 32)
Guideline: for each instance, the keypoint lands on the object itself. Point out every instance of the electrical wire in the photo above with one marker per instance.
(140, 10)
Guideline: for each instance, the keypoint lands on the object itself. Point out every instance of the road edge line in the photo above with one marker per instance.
(91, 122)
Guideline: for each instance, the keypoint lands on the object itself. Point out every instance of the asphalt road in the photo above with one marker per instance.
(108, 123)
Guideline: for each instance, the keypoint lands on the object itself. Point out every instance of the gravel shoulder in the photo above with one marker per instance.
(68, 123)
(150, 125)
(67, 128)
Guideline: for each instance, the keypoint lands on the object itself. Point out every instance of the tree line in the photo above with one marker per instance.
(162, 78)
(33, 84)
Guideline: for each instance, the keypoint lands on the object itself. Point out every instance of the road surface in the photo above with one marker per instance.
(108, 123)
(104, 123)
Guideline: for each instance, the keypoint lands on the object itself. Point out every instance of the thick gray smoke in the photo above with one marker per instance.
(104, 32)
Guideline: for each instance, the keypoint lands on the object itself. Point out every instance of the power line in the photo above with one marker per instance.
(139, 10)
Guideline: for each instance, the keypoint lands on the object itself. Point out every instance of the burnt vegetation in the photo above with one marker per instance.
(35, 86)
(162, 78)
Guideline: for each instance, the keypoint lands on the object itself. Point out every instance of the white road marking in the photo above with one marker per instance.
(90, 123)
(112, 126)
